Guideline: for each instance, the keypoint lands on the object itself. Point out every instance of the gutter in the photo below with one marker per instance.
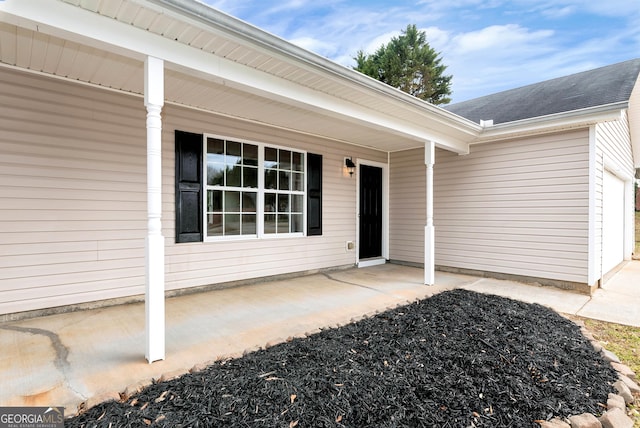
(553, 122)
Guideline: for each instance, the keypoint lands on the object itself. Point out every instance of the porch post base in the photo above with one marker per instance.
(154, 300)
(429, 249)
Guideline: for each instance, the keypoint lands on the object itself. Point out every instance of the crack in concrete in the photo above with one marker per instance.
(583, 306)
(61, 361)
(328, 276)
(62, 352)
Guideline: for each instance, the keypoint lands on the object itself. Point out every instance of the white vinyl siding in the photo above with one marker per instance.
(407, 202)
(614, 144)
(515, 207)
(72, 193)
(633, 116)
(73, 198)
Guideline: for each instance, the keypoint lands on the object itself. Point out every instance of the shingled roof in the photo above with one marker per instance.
(601, 86)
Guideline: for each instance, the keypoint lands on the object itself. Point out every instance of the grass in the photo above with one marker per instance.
(622, 340)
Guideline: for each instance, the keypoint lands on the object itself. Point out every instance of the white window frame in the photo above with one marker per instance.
(260, 198)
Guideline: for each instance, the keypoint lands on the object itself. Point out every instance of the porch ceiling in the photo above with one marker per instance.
(217, 63)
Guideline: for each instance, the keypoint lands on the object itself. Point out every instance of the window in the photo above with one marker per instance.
(229, 189)
(284, 191)
(232, 187)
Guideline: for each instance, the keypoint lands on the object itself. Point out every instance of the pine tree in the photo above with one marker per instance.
(408, 63)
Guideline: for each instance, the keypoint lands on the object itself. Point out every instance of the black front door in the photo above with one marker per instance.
(370, 211)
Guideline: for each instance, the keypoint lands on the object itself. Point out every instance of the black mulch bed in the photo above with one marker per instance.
(458, 359)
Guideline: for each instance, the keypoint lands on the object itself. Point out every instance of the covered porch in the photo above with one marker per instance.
(86, 357)
(174, 54)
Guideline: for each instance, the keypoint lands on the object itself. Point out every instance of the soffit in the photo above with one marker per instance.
(85, 61)
(39, 52)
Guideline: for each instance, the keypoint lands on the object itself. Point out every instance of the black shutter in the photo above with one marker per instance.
(188, 187)
(314, 194)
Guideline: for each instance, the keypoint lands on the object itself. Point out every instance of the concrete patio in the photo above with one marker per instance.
(88, 356)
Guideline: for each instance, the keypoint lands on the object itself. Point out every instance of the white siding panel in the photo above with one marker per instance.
(407, 199)
(598, 177)
(516, 207)
(73, 198)
(72, 180)
(634, 121)
(614, 144)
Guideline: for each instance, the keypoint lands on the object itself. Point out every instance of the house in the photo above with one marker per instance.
(558, 205)
(153, 146)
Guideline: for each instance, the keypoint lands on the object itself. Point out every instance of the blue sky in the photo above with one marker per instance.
(487, 45)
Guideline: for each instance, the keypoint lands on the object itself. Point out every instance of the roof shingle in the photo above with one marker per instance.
(601, 86)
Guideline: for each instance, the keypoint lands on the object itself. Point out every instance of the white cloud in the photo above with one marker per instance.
(313, 45)
(380, 40)
(488, 45)
(604, 8)
(437, 37)
(559, 12)
(498, 37)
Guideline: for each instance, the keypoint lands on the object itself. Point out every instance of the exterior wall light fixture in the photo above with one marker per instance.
(351, 167)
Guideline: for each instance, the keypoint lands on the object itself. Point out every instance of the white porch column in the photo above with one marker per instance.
(429, 230)
(154, 248)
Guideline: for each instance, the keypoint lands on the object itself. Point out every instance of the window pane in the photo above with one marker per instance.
(234, 177)
(283, 223)
(215, 147)
(232, 224)
(284, 180)
(270, 157)
(270, 223)
(250, 177)
(297, 203)
(249, 202)
(250, 156)
(297, 180)
(271, 179)
(232, 202)
(249, 224)
(234, 151)
(269, 202)
(214, 224)
(215, 162)
(298, 161)
(285, 159)
(215, 173)
(296, 223)
(283, 203)
(214, 200)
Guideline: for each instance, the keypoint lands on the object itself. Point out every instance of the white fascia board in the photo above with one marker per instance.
(554, 122)
(206, 18)
(74, 23)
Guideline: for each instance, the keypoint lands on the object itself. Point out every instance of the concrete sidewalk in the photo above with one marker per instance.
(86, 357)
